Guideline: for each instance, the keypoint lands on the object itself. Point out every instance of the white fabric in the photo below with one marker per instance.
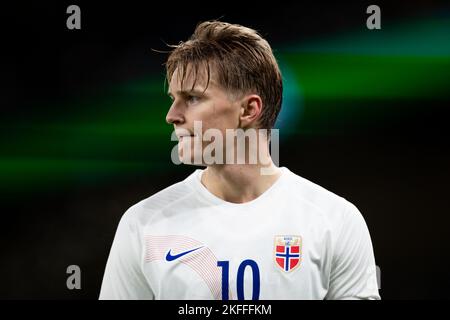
(337, 260)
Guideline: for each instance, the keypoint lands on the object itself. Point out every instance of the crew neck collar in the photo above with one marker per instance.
(210, 197)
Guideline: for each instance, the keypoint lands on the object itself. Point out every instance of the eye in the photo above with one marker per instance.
(192, 99)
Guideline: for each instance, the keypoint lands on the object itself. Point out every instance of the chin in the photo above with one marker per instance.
(191, 160)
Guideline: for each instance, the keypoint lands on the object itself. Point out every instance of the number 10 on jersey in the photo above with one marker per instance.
(225, 265)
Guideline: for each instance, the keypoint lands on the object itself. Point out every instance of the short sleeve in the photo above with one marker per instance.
(123, 277)
(353, 272)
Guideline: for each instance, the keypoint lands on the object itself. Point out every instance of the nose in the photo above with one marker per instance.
(174, 115)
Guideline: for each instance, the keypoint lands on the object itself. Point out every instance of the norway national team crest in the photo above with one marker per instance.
(288, 252)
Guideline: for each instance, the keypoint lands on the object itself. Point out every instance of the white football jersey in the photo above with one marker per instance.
(295, 241)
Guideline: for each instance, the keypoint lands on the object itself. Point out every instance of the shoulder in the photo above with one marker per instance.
(323, 201)
(172, 196)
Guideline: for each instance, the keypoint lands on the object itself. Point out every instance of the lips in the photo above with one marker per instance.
(181, 137)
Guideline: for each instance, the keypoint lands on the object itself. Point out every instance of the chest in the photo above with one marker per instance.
(221, 257)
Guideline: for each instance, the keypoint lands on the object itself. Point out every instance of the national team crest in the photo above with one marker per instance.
(288, 252)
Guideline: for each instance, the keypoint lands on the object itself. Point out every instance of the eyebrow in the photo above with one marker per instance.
(186, 93)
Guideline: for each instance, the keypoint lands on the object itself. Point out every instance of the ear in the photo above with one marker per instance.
(251, 108)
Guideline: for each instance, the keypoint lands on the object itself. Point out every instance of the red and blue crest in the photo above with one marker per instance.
(288, 252)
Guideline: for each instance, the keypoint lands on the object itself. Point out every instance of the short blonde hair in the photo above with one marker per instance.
(243, 61)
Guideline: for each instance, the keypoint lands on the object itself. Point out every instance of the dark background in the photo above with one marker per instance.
(83, 135)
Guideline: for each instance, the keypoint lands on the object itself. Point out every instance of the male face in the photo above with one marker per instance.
(214, 107)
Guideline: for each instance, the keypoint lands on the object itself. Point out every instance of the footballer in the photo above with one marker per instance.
(240, 227)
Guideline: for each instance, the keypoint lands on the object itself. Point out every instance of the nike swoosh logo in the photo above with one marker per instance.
(170, 257)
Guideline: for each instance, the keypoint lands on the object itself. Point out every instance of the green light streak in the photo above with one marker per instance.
(341, 76)
(348, 81)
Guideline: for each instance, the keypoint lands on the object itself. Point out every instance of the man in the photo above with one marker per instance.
(241, 228)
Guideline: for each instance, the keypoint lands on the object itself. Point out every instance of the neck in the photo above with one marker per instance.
(240, 183)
